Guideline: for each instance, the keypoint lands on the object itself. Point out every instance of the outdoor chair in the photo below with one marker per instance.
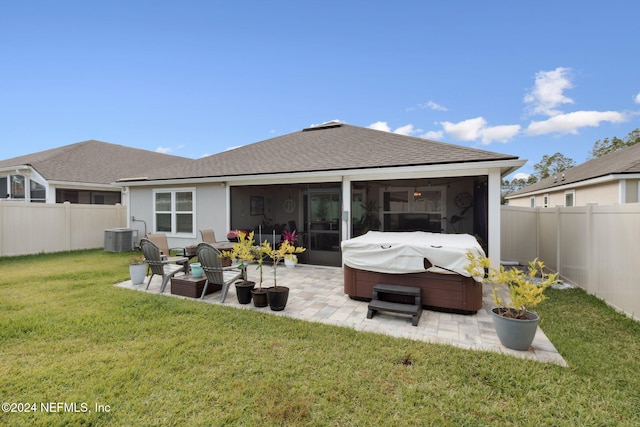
(173, 255)
(209, 258)
(208, 236)
(161, 266)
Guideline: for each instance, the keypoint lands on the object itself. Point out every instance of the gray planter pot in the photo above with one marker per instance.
(516, 334)
(137, 273)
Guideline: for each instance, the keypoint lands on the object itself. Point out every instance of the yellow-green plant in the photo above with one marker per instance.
(277, 255)
(242, 250)
(525, 290)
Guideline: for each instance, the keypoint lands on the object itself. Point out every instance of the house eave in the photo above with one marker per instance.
(16, 168)
(82, 185)
(396, 172)
(576, 184)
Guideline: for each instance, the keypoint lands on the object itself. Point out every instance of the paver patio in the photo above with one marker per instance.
(317, 295)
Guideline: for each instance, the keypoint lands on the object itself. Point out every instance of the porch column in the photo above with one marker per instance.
(494, 217)
(227, 202)
(346, 208)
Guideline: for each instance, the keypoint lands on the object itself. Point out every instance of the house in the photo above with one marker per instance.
(608, 180)
(83, 172)
(330, 182)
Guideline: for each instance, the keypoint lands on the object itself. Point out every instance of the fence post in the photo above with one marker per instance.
(558, 241)
(67, 226)
(2, 232)
(590, 248)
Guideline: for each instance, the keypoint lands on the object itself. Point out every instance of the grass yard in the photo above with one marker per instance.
(120, 358)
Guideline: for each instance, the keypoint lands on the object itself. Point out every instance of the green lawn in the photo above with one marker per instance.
(68, 336)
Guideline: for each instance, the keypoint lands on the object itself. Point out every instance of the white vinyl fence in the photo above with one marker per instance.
(594, 247)
(30, 228)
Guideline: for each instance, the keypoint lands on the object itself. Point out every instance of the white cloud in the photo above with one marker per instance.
(383, 126)
(466, 130)
(163, 150)
(405, 130)
(477, 129)
(429, 105)
(571, 122)
(434, 135)
(433, 106)
(499, 133)
(521, 175)
(402, 130)
(547, 94)
(637, 99)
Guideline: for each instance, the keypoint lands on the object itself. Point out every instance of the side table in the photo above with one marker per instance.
(189, 286)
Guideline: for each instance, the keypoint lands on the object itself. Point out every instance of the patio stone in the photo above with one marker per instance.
(317, 295)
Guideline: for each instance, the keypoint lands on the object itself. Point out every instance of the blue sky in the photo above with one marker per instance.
(193, 78)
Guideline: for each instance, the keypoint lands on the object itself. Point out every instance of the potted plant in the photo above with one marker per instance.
(278, 295)
(234, 235)
(244, 251)
(260, 297)
(290, 260)
(515, 323)
(137, 269)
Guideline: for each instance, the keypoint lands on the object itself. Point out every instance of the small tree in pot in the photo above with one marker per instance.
(244, 251)
(278, 295)
(514, 322)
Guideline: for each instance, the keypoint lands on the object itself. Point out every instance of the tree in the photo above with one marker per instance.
(552, 165)
(516, 184)
(606, 146)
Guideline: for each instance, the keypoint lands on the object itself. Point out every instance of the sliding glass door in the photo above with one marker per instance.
(322, 224)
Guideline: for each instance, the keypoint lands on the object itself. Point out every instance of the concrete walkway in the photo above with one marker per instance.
(317, 295)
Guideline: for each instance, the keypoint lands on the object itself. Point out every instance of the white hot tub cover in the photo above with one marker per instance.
(405, 252)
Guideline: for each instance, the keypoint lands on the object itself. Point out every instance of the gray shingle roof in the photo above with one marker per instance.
(93, 162)
(327, 148)
(625, 161)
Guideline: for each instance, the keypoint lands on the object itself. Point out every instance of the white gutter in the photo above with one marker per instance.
(398, 172)
(576, 184)
(87, 185)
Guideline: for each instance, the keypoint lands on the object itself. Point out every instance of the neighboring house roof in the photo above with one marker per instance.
(625, 161)
(93, 162)
(329, 147)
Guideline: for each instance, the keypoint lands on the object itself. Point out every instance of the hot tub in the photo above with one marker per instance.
(432, 261)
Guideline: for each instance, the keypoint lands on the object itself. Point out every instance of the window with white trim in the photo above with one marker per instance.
(570, 198)
(545, 200)
(174, 211)
(18, 190)
(37, 192)
(532, 201)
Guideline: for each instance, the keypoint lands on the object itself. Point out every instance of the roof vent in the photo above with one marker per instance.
(325, 125)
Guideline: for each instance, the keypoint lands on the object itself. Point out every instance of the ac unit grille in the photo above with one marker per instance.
(118, 240)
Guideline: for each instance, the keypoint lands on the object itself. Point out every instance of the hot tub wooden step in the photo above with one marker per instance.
(376, 304)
